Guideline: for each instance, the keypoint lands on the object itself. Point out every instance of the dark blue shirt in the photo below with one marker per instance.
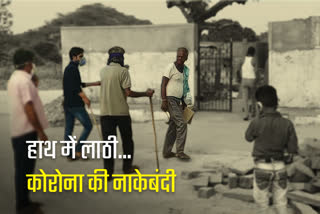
(72, 86)
(272, 134)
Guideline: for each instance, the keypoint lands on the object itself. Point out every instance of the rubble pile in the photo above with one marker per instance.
(54, 112)
(236, 181)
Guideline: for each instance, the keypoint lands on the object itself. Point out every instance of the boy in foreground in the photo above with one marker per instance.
(273, 135)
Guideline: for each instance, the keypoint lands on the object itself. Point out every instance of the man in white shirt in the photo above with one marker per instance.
(28, 122)
(248, 81)
(172, 91)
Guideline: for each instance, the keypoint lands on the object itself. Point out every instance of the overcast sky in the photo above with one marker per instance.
(256, 14)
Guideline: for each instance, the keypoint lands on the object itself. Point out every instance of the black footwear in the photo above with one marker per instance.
(32, 208)
(246, 118)
(37, 204)
(131, 170)
(170, 155)
(110, 178)
(72, 159)
(78, 156)
(183, 156)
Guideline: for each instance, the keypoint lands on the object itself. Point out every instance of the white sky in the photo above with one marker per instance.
(255, 14)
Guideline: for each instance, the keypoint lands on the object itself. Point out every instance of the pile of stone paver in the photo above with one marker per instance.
(236, 180)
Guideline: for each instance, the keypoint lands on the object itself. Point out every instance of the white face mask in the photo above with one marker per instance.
(34, 69)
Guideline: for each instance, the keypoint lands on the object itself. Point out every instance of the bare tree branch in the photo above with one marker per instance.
(185, 14)
(196, 11)
(218, 7)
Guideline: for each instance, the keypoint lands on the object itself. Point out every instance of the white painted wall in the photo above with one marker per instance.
(296, 76)
(146, 69)
(149, 50)
(294, 62)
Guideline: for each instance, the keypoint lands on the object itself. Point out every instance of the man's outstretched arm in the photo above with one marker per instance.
(89, 84)
(135, 94)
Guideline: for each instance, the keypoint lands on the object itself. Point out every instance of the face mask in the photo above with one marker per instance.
(34, 69)
(82, 61)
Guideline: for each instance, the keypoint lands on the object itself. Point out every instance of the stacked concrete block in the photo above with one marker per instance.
(233, 180)
(190, 174)
(246, 182)
(236, 181)
(304, 176)
(307, 187)
(208, 183)
(315, 162)
(202, 181)
(206, 192)
(240, 194)
(215, 178)
(303, 208)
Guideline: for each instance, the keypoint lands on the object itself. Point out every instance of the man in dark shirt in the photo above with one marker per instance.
(75, 98)
(273, 136)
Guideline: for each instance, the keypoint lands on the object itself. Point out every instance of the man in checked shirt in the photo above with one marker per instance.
(273, 136)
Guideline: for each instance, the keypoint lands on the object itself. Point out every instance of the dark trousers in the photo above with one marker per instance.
(109, 126)
(23, 165)
(71, 113)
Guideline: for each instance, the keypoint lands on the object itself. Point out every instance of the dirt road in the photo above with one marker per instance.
(211, 137)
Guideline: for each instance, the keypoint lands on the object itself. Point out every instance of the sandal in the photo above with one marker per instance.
(183, 156)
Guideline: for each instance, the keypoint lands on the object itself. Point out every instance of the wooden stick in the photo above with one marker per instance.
(155, 135)
(95, 123)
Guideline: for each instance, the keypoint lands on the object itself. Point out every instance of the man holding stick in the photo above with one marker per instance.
(114, 109)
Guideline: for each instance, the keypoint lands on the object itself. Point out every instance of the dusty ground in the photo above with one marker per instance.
(211, 137)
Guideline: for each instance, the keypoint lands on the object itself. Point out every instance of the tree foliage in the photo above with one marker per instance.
(5, 17)
(5, 29)
(225, 29)
(45, 40)
(263, 37)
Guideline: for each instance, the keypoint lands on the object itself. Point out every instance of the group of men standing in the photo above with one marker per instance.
(272, 134)
(28, 120)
